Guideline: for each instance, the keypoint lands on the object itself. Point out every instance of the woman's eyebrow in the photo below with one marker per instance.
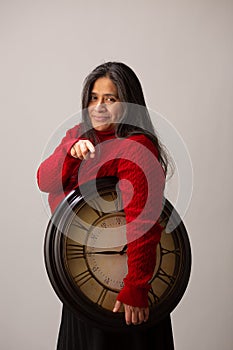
(108, 94)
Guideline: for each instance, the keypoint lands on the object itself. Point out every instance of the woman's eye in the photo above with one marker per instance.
(107, 99)
(110, 100)
(93, 98)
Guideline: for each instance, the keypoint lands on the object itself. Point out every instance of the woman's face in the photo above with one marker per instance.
(104, 107)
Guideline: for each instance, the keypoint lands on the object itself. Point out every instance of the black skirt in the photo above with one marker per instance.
(75, 334)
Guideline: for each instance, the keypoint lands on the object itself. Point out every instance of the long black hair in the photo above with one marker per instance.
(137, 119)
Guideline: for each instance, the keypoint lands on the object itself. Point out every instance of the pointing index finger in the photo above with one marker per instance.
(91, 148)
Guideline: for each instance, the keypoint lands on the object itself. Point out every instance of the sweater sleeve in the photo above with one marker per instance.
(56, 171)
(140, 167)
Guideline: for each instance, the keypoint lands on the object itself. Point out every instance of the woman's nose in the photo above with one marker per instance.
(100, 106)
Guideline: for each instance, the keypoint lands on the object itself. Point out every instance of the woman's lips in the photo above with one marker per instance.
(100, 118)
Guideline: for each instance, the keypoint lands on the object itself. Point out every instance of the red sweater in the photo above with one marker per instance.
(133, 159)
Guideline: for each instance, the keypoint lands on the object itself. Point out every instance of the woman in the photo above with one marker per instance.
(116, 138)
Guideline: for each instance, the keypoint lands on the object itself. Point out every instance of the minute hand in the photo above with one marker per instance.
(109, 252)
(105, 252)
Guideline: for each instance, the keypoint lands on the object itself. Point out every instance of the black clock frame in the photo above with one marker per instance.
(66, 289)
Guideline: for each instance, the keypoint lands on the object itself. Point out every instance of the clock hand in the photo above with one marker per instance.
(123, 250)
(109, 252)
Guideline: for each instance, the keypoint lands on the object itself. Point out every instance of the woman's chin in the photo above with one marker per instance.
(103, 127)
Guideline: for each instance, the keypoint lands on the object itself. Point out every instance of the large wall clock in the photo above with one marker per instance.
(86, 264)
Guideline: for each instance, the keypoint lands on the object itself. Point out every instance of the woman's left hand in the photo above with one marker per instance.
(133, 314)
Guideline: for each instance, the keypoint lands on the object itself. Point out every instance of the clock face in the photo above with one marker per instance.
(86, 256)
(96, 271)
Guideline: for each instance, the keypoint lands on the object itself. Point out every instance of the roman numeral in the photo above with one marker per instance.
(95, 206)
(82, 277)
(79, 224)
(165, 277)
(174, 251)
(153, 297)
(74, 251)
(102, 296)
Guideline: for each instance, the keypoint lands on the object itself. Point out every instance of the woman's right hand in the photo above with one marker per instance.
(83, 149)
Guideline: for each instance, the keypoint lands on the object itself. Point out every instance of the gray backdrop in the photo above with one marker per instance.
(182, 53)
